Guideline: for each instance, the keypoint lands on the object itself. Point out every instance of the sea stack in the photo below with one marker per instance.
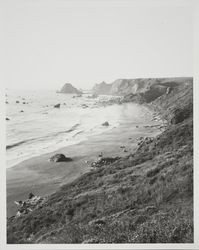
(69, 89)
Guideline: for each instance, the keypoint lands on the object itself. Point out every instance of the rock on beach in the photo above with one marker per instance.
(60, 158)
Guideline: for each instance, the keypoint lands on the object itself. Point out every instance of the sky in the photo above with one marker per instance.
(50, 42)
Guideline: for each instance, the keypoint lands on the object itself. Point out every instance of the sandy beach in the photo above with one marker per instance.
(41, 177)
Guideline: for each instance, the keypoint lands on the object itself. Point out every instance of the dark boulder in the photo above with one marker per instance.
(60, 158)
(105, 124)
(7, 119)
(31, 195)
(100, 155)
(57, 105)
(21, 111)
(17, 101)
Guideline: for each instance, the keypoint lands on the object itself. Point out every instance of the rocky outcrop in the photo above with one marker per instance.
(102, 88)
(148, 89)
(59, 158)
(27, 206)
(104, 161)
(69, 89)
(106, 124)
(57, 105)
(172, 108)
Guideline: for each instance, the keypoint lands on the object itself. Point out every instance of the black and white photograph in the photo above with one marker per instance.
(99, 147)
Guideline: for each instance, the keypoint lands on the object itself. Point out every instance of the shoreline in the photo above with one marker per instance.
(41, 177)
(19, 144)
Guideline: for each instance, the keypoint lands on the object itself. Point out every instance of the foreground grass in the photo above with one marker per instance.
(146, 197)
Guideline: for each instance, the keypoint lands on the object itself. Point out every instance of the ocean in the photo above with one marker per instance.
(35, 127)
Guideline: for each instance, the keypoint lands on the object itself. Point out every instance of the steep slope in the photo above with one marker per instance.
(146, 197)
(178, 105)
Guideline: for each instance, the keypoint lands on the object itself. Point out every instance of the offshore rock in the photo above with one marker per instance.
(105, 124)
(57, 105)
(69, 89)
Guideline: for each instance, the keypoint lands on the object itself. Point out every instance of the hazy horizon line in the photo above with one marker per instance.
(89, 88)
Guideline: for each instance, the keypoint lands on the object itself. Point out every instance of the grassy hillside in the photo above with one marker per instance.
(146, 197)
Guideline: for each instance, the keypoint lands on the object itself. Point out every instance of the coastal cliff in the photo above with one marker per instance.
(145, 197)
(69, 89)
(151, 87)
(102, 88)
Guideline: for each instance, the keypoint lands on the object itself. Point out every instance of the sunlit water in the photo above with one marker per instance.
(41, 128)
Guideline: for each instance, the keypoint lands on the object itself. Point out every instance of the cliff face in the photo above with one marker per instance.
(102, 88)
(69, 89)
(177, 105)
(153, 87)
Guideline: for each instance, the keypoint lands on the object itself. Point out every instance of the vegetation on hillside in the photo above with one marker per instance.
(146, 197)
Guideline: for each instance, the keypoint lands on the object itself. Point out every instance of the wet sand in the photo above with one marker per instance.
(41, 177)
